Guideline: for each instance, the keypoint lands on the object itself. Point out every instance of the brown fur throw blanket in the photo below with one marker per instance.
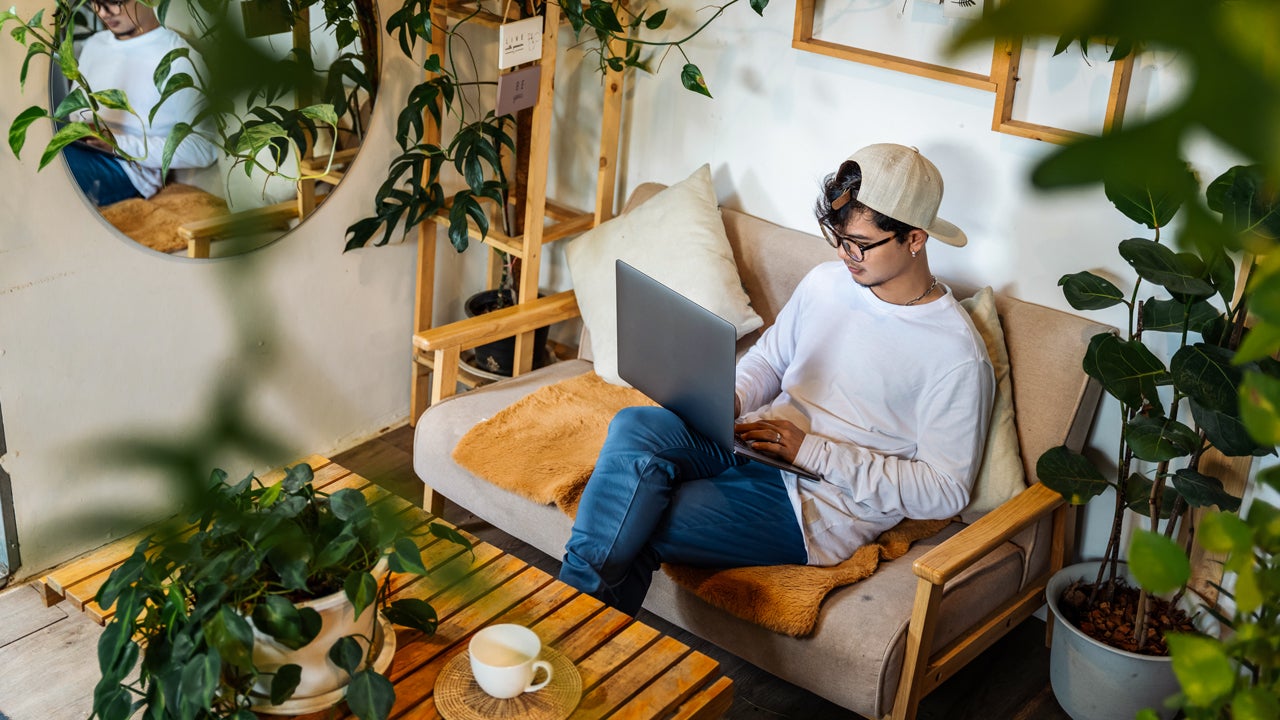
(154, 222)
(572, 416)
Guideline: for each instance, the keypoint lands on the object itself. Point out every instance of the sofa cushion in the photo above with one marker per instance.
(677, 237)
(1000, 477)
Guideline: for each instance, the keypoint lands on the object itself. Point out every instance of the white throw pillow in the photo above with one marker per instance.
(678, 238)
(1001, 475)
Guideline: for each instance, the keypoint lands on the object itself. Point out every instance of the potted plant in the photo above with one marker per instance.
(211, 616)
(1172, 416)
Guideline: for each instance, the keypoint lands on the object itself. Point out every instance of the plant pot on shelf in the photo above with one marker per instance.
(1094, 681)
(498, 357)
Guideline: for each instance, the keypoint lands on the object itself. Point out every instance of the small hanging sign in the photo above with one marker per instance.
(519, 42)
(518, 90)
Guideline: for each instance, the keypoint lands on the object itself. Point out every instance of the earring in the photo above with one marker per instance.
(913, 253)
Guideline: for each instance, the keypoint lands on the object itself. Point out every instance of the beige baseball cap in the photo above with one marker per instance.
(901, 183)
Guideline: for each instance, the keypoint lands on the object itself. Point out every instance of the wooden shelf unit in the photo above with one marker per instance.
(545, 220)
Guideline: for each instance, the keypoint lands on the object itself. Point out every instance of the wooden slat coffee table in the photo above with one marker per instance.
(629, 670)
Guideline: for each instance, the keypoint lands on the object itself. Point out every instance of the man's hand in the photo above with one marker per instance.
(98, 144)
(776, 437)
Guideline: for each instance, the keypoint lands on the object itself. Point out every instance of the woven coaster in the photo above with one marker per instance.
(459, 697)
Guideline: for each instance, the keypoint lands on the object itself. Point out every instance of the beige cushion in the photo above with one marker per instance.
(677, 237)
(1000, 477)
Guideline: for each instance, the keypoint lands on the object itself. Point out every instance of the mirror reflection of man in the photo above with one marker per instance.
(124, 56)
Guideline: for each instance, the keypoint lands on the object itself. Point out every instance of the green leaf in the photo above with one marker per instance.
(281, 619)
(1153, 208)
(18, 129)
(413, 613)
(361, 590)
(1205, 374)
(1171, 315)
(370, 696)
(1204, 670)
(1226, 431)
(1255, 703)
(75, 100)
(117, 652)
(1224, 532)
(114, 99)
(1086, 291)
(1201, 490)
(180, 132)
(348, 505)
(1126, 368)
(1247, 203)
(285, 682)
(323, 113)
(34, 49)
(1158, 563)
(405, 557)
(1181, 273)
(128, 573)
(444, 532)
(759, 6)
(599, 14)
(297, 477)
(165, 66)
(337, 549)
(691, 78)
(1248, 594)
(67, 58)
(1157, 439)
(655, 20)
(229, 633)
(346, 653)
(1070, 474)
(458, 222)
(1137, 496)
(64, 137)
(1260, 407)
(199, 681)
(177, 83)
(1260, 341)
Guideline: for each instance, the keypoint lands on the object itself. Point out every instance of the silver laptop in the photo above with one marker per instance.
(682, 356)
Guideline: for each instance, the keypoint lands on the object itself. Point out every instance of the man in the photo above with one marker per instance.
(124, 56)
(873, 377)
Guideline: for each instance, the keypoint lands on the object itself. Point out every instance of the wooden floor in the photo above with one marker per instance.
(48, 658)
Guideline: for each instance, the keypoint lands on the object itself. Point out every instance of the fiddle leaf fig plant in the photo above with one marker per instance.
(188, 601)
(1171, 414)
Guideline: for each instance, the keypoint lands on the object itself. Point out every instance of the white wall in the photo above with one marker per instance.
(98, 337)
(782, 119)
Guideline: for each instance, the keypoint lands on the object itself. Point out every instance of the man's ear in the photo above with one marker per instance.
(916, 239)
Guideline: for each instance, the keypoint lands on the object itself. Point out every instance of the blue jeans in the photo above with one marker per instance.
(99, 175)
(661, 492)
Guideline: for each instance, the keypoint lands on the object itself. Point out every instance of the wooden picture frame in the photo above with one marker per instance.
(802, 38)
(1004, 71)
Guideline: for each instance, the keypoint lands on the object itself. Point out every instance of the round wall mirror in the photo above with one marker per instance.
(211, 128)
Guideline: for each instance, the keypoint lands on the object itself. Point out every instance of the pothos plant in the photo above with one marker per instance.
(1158, 471)
(187, 603)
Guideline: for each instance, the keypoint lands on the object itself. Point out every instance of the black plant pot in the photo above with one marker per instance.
(499, 357)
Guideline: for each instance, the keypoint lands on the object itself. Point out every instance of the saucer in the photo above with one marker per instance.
(384, 649)
(459, 697)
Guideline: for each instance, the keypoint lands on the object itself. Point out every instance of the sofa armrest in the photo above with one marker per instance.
(973, 543)
(440, 347)
(499, 324)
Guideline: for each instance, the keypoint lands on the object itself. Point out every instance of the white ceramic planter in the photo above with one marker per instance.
(1094, 681)
(320, 677)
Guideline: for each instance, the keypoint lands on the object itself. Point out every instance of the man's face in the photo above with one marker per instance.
(125, 18)
(878, 264)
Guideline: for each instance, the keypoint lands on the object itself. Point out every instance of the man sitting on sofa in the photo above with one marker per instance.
(872, 377)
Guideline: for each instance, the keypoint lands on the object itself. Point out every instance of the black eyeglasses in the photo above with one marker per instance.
(856, 251)
(110, 7)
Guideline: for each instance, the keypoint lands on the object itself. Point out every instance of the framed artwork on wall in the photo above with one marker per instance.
(1058, 98)
(902, 35)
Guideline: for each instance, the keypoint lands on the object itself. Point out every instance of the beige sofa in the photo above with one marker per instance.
(920, 617)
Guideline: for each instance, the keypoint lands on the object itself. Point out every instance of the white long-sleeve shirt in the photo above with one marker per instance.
(128, 65)
(894, 399)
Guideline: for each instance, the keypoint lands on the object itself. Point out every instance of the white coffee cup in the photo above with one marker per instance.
(504, 660)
